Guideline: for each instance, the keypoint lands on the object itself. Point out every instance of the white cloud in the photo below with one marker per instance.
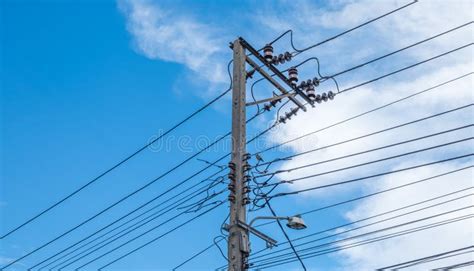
(421, 20)
(174, 36)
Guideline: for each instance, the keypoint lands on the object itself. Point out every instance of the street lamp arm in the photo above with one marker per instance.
(269, 218)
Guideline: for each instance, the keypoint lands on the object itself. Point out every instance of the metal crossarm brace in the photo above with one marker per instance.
(274, 70)
(274, 82)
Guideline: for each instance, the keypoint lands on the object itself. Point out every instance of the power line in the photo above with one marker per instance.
(368, 241)
(407, 67)
(378, 192)
(119, 219)
(342, 227)
(323, 78)
(379, 230)
(119, 201)
(356, 153)
(455, 266)
(210, 165)
(197, 254)
(108, 241)
(121, 162)
(144, 187)
(435, 256)
(150, 218)
(157, 238)
(298, 51)
(366, 112)
(371, 134)
(370, 162)
(437, 259)
(371, 176)
(401, 49)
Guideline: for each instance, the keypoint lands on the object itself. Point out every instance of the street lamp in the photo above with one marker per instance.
(294, 222)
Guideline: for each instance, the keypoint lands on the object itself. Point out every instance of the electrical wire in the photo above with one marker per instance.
(121, 218)
(214, 243)
(127, 231)
(454, 266)
(220, 250)
(406, 68)
(435, 256)
(127, 242)
(157, 238)
(344, 226)
(401, 49)
(119, 163)
(298, 51)
(370, 176)
(324, 78)
(144, 187)
(341, 229)
(440, 258)
(368, 241)
(370, 162)
(286, 236)
(357, 153)
(145, 204)
(254, 138)
(377, 193)
(470, 44)
(365, 113)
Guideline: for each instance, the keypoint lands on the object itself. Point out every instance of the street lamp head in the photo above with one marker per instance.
(296, 223)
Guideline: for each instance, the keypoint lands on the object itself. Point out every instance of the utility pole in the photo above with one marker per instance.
(238, 242)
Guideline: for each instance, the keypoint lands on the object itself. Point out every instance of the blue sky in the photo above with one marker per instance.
(85, 83)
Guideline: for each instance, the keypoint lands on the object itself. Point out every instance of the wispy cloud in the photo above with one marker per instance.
(174, 36)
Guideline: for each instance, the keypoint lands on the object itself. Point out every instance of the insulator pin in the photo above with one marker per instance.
(293, 75)
(268, 53)
(310, 92)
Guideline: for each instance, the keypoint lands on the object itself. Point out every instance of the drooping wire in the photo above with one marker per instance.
(220, 250)
(214, 243)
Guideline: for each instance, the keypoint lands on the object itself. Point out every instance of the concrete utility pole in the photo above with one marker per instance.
(238, 242)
